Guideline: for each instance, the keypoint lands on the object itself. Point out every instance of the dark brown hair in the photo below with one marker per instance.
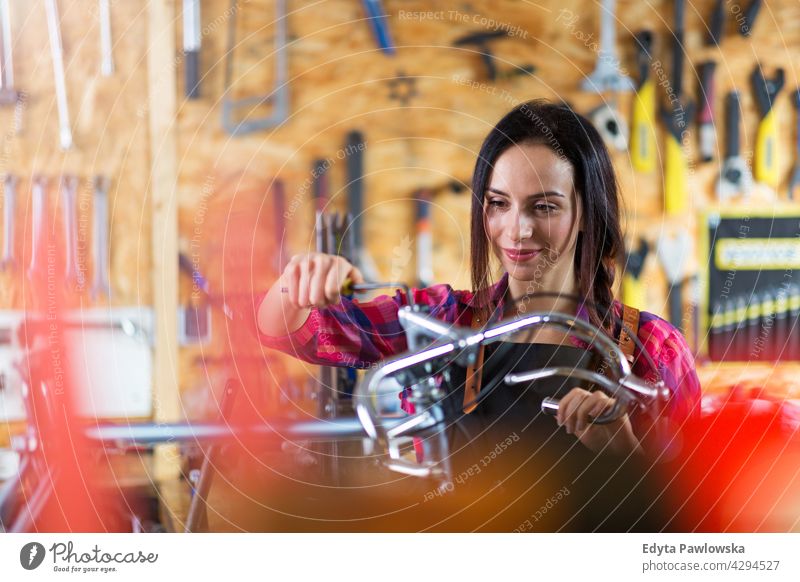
(573, 138)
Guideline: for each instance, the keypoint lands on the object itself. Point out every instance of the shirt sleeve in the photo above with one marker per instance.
(676, 367)
(358, 334)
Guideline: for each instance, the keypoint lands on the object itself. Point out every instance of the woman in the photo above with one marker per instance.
(546, 205)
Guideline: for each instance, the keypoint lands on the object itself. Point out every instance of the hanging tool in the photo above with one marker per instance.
(677, 115)
(379, 23)
(354, 150)
(279, 96)
(106, 50)
(186, 265)
(716, 25)
(424, 238)
(8, 95)
(606, 75)
(611, 125)
(9, 210)
(480, 40)
(101, 284)
(766, 165)
(748, 20)
(735, 177)
(191, 48)
(279, 206)
(643, 134)
(38, 227)
(705, 118)
(673, 252)
(794, 180)
(194, 323)
(69, 189)
(633, 290)
(57, 53)
(319, 185)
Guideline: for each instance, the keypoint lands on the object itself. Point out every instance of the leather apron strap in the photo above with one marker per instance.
(472, 385)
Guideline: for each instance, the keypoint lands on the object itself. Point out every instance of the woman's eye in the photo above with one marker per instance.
(496, 203)
(544, 207)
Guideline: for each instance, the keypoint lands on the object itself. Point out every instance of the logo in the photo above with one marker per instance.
(31, 555)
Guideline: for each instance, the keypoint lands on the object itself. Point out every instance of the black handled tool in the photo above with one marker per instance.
(633, 291)
(708, 136)
(191, 47)
(794, 180)
(716, 23)
(748, 19)
(354, 148)
(279, 208)
(673, 252)
(735, 177)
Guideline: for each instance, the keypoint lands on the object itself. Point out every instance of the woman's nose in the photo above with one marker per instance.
(519, 228)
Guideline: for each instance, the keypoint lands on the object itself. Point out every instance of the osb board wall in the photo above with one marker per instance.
(339, 81)
(109, 138)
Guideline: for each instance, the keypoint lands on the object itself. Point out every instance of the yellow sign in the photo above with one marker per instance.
(754, 254)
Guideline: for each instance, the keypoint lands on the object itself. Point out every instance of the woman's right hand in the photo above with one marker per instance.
(316, 279)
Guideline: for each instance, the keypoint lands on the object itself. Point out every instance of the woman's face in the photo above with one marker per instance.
(532, 217)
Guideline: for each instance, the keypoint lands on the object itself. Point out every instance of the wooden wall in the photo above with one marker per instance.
(339, 81)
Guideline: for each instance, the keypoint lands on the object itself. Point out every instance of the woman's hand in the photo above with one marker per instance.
(575, 412)
(316, 279)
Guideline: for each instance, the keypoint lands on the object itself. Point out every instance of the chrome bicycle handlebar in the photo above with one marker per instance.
(460, 344)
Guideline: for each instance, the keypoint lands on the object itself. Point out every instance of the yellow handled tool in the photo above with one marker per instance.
(643, 135)
(676, 170)
(633, 289)
(766, 166)
(678, 114)
(766, 162)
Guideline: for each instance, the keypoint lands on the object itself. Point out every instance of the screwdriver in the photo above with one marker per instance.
(349, 288)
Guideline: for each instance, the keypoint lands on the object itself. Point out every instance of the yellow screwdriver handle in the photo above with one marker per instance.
(643, 135)
(676, 171)
(633, 292)
(766, 163)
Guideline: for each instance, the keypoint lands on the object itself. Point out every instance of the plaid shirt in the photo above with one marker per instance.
(359, 334)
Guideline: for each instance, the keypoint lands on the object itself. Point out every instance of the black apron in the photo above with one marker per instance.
(505, 410)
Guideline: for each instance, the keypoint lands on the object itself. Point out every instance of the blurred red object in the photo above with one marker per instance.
(739, 470)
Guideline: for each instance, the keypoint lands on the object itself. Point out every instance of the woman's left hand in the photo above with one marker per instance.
(579, 407)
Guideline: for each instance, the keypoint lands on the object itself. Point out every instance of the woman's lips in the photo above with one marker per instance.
(520, 255)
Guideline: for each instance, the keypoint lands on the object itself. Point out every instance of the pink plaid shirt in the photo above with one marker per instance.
(359, 334)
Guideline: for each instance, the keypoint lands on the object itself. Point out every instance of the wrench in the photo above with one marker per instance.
(9, 209)
(39, 211)
(673, 252)
(606, 75)
(107, 62)
(69, 187)
(57, 53)
(101, 283)
(8, 95)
